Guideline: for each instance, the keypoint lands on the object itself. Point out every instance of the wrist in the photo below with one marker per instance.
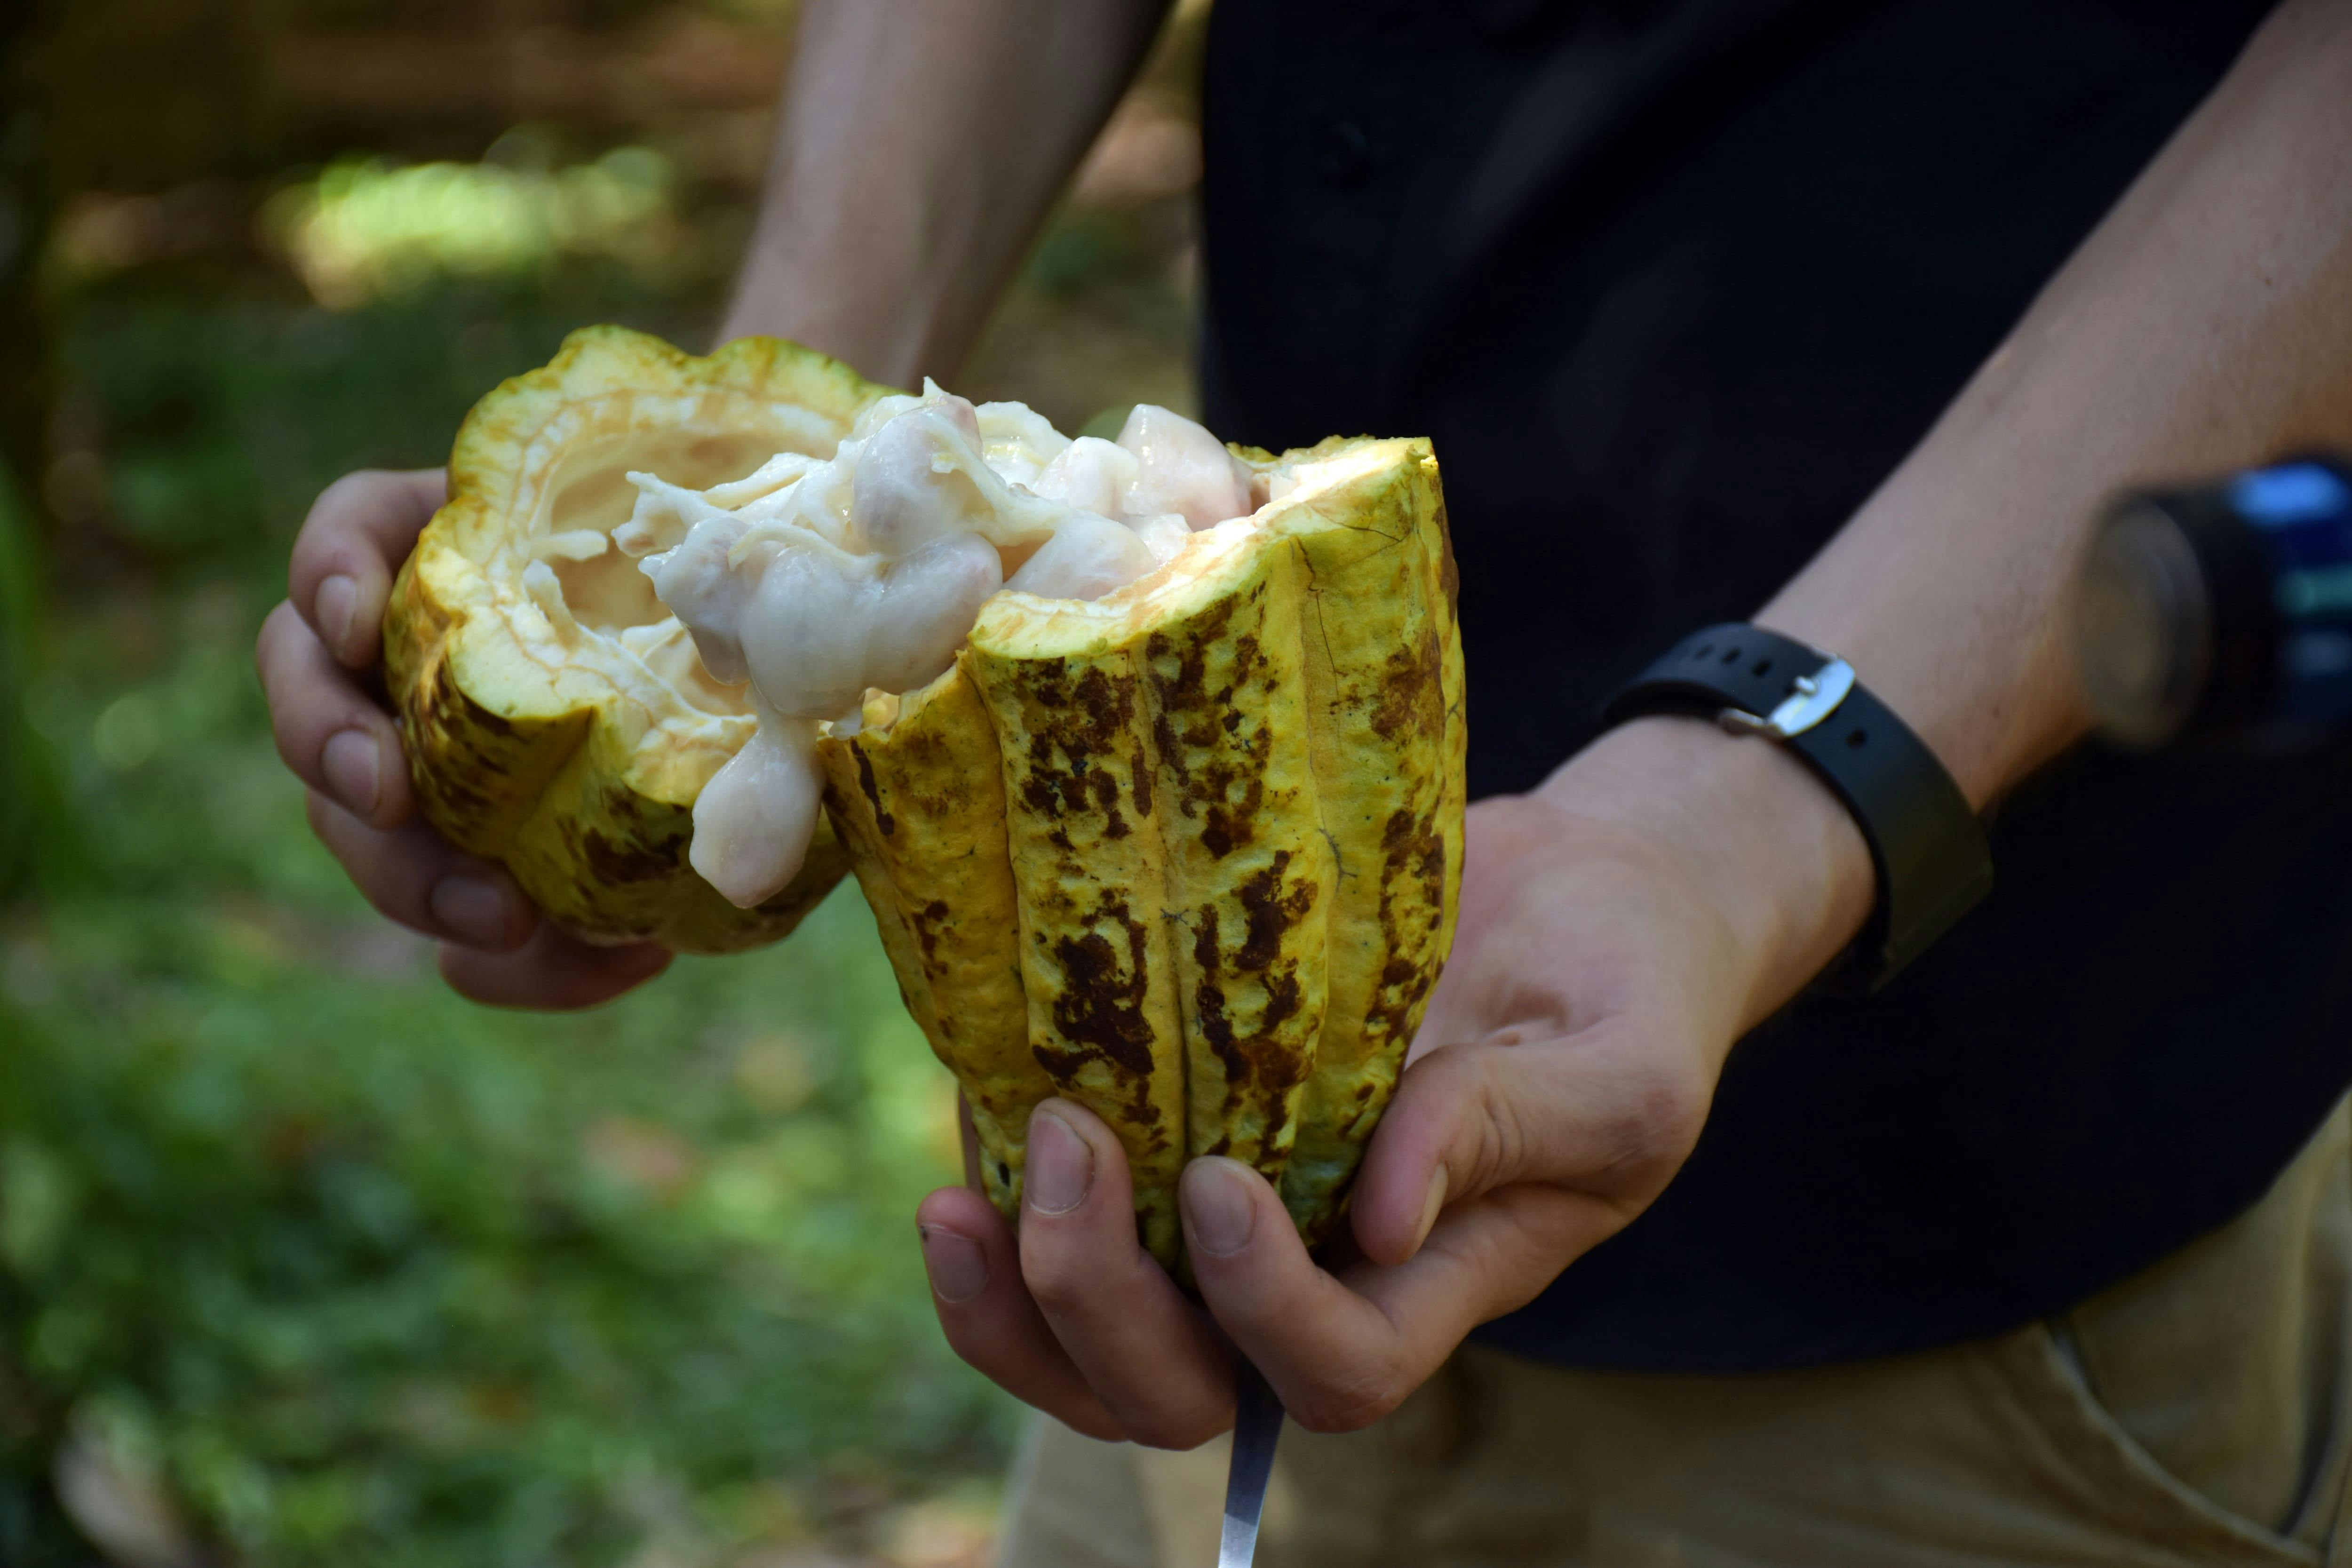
(1774, 855)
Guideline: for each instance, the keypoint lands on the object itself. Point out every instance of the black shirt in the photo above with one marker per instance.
(1673, 287)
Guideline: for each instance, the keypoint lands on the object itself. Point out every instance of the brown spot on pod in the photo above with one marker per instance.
(882, 818)
(1267, 911)
(1100, 1006)
(616, 862)
(1142, 774)
(1411, 694)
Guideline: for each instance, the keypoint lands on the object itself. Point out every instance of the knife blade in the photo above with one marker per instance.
(1257, 1424)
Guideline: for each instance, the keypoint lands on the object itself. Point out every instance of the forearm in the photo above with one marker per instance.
(919, 143)
(2207, 322)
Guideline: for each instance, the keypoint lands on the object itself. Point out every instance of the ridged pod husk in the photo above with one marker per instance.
(535, 738)
(1187, 855)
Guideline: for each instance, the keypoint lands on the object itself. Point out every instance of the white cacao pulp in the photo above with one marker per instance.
(815, 580)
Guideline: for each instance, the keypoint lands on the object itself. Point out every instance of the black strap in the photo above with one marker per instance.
(1925, 845)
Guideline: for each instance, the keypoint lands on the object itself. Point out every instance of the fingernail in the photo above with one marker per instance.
(1218, 1212)
(1061, 1165)
(352, 763)
(471, 910)
(337, 598)
(957, 1268)
(1432, 1205)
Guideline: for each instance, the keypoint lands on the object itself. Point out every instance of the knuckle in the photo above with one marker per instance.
(1488, 1141)
(1083, 1416)
(1349, 1406)
(265, 640)
(1656, 1121)
(290, 754)
(1499, 1136)
(460, 972)
(1180, 1431)
(1060, 1291)
(1442, 1082)
(315, 808)
(580, 990)
(278, 653)
(336, 526)
(959, 1325)
(342, 494)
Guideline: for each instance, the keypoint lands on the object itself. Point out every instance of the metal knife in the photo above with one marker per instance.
(1257, 1423)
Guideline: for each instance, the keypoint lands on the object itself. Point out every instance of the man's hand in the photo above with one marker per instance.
(317, 653)
(1619, 931)
(1671, 885)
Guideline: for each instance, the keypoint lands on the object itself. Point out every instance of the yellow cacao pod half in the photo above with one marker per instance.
(1187, 854)
(555, 715)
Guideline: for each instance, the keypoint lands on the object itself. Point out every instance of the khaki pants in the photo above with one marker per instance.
(2194, 1414)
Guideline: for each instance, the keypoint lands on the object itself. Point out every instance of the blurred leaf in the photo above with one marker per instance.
(367, 229)
(38, 840)
(37, 1203)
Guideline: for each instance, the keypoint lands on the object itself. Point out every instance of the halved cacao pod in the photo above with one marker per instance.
(555, 715)
(1187, 854)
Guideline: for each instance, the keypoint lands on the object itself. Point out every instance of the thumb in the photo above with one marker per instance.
(1610, 1110)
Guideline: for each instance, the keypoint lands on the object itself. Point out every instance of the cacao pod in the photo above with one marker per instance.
(1187, 854)
(555, 716)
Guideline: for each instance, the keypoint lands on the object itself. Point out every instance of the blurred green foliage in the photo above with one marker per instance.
(37, 841)
(363, 1275)
(366, 229)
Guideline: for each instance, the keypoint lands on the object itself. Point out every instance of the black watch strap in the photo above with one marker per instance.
(1926, 846)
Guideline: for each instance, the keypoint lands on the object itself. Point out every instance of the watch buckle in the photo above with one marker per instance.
(1814, 698)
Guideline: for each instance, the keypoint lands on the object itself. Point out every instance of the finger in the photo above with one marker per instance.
(1152, 1357)
(1335, 1358)
(988, 1317)
(553, 971)
(1610, 1110)
(1343, 1350)
(329, 732)
(360, 530)
(413, 877)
